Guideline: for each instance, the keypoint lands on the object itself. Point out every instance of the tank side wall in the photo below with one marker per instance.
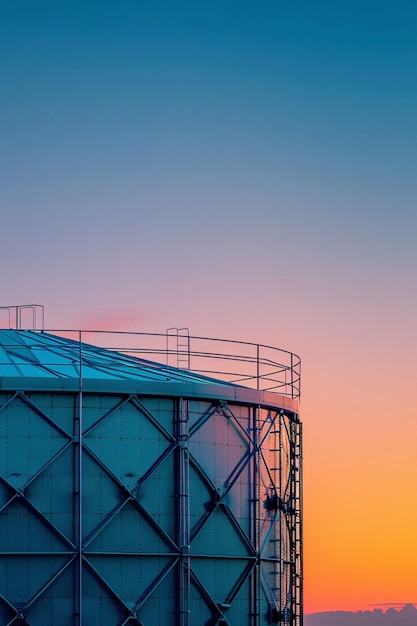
(188, 510)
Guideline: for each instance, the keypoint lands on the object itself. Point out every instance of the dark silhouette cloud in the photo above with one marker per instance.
(406, 616)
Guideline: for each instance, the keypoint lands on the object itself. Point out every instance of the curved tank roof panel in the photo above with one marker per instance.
(39, 354)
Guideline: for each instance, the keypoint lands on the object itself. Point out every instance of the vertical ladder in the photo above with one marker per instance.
(289, 600)
(178, 347)
(296, 524)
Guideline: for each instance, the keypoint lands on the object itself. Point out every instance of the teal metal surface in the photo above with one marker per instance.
(120, 508)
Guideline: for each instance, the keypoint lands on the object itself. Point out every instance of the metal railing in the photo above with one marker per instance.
(253, 365)
(29, 316)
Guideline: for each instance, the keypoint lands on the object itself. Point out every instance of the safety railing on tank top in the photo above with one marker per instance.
(252, 365)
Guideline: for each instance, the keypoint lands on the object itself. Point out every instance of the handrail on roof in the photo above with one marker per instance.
(254, 365)
(16, 319)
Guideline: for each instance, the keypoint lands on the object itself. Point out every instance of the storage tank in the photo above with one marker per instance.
(133, 491)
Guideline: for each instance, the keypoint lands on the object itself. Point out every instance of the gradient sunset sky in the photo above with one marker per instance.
(246, 169)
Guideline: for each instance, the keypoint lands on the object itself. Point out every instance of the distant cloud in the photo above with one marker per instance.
(407, 616)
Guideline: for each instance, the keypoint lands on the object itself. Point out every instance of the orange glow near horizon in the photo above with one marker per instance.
(360, 545)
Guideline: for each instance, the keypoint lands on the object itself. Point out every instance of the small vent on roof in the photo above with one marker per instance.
(23, 317)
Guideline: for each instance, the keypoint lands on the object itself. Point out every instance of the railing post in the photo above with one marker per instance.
(257, 366)
(80, 484)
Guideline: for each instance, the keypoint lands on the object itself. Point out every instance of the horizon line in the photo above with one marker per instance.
(391, 603)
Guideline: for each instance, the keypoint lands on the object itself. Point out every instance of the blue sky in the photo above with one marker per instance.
(140, 126)
(191, 96)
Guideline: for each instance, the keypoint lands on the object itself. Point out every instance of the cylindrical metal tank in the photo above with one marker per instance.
(133, 492)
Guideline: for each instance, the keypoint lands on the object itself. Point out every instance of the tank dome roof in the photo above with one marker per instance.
(32, 354)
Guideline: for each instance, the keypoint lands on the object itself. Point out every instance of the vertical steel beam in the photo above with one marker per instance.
(281, 567)
(79, 437)
(254, 491)
(183, 512)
